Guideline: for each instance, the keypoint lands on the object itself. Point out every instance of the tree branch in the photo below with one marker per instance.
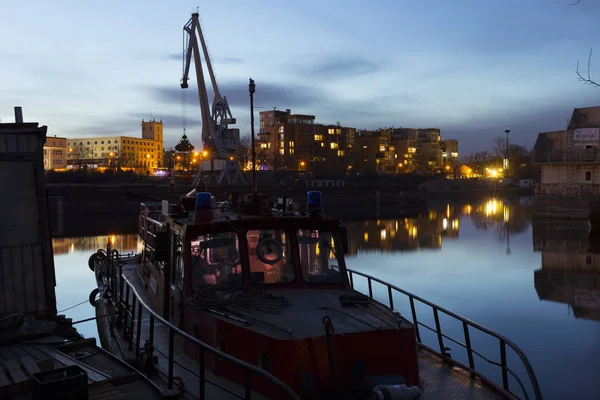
(577, 2)
(588, 80)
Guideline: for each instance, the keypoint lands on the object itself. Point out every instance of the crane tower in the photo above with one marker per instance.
(218, 140)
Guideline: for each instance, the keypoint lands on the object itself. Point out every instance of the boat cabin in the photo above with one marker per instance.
(209, 246)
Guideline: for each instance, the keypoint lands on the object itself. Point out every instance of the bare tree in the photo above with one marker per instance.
(587, 79)
(126, 159)
(499, 147)
(244, 154)
(278, 161)
(77, 154)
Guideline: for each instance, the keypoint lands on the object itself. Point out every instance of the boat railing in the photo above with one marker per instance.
(467, 327)
(138, 305)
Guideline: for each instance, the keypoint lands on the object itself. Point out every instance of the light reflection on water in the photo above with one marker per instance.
(478, 259)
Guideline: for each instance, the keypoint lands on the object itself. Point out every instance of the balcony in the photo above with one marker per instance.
(567, 156)
(562, 189)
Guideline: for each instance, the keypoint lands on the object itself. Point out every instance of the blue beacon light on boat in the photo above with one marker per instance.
(203, 200)
(314, 204)
(203, 207)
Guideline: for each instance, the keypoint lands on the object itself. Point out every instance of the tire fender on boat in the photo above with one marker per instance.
(100, 255)
(92, 297)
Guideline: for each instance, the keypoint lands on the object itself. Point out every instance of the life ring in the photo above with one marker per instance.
(269, 251)
(93, 295)
(99, 256)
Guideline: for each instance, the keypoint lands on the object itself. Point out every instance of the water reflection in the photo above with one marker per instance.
(442, 222)
(89, 244)
(570, 272)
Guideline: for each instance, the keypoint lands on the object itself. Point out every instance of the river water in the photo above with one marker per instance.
(536, 283)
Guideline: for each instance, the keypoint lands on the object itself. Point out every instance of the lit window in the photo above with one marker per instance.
(340, 153)
(382, 148)
(291, 151)
(338, 131)
(291, 144)
(322, 144)
(281, 151)
(331, 131)
(281, 128)
(333, 145)
(282, 144)
(263, 145)
(318, 137)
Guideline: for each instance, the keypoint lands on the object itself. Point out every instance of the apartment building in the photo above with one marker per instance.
(140, 154)
(449, 148)
(55, 153)
(295, 141)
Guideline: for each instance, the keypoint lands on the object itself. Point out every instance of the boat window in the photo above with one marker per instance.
(319, 252)
(215, 259)
(268, 252)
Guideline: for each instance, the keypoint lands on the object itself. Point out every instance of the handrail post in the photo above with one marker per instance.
(126, 313)
(121, 282)
(202, 373)
(151, 336)
(469, 348)
(133, 302)
(438, 330)
(350, 275)
(504, 365)
(247, 388)
(138, 332)
(391, 297)
(170, 360)
(414, 315)
(370, 287)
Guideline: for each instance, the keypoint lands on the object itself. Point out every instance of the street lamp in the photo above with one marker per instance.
(507, 131)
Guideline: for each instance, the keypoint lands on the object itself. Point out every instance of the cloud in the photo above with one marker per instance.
(524, 125)
(335, 66)
(268, 95)
(219, 60)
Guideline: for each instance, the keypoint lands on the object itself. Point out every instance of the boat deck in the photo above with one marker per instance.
(438, 380)
(108, 378)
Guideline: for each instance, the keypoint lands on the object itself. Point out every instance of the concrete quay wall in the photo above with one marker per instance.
(116, 207)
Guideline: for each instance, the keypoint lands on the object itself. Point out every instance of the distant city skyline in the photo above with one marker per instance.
(470, 68)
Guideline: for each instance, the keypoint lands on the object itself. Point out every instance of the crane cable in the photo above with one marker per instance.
(183, 110)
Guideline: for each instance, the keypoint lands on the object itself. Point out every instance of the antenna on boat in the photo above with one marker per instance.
(252, 89)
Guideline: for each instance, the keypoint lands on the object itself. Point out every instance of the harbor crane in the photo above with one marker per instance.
(220, 142)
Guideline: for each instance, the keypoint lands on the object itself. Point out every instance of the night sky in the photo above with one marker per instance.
(470, 67)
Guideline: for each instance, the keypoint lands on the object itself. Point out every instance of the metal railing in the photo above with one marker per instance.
(467, 325)
(137, 306)
(567, 156)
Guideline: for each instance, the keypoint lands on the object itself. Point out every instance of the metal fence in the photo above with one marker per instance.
(133, 318)
(467, 326)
